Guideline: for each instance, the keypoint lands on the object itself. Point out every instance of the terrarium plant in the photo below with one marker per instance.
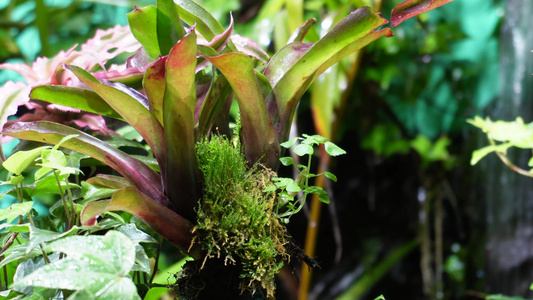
(211, 192)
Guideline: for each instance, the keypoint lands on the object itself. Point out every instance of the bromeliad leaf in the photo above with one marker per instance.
(181, 175)
(73, 97)
(143, 25)
(411, 8)
(137, 172)
(259, 139)
(352, 33)
(173, 227)
(133, 112)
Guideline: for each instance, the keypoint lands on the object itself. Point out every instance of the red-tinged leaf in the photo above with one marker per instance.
(131, 110)
(109, 181)
(77, 98)
(213, 105)
(249, 47)
(141, 175)
(154, 86)
(182, 180)
(171, 226)
(259, 139)
(299, 34)
(351, 34)
(195, 15)
(143, 25)
(411, 8)
(130, 76)
(221, 40)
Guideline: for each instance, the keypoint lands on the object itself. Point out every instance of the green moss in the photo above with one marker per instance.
(236, 220)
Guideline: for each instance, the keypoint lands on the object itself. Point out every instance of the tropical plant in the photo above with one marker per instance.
(175, 92)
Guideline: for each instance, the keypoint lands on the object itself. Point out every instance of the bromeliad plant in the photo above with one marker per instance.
(176, 92)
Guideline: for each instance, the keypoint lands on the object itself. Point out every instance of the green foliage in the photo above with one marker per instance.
(288, 187)
(508, 134)
(237, 221)
(96, 267)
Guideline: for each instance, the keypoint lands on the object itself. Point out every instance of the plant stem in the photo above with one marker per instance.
(156, 263)
(509, 164)
(67, 213)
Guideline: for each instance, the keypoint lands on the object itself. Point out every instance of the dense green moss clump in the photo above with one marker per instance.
(236, 220)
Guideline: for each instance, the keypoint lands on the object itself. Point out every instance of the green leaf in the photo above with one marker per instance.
(98, 265)
(324, 198)
(330, 176)
(135, 235)
(137, 172)
(39, 236)
(411, 8)
(90, 192)
(194, 14)
(14, 211)
(477, 155)
(516, 132)
(333, 149)
(133, 112)
(289, 143)
(20, 160)
(181, 174)
(73, 97)
(287, 161)
(169, 26)
(171, 226)
(143, 25)
(303, 149)
(259, 138)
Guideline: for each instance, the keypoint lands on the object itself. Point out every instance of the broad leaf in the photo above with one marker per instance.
(98, 265)
(171, 226)
(20, 160)
(14, 211)
(411, 8)
(13, 95)
(194, 14)
(333, 149)
(259, 138)
(39, 236)
(478, 154)
(141, 175)
(181, 174)
(76, 98)
(109, 181)
(134, 112)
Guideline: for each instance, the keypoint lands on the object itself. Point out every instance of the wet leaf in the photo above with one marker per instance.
(98, 265)
(14, 211)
